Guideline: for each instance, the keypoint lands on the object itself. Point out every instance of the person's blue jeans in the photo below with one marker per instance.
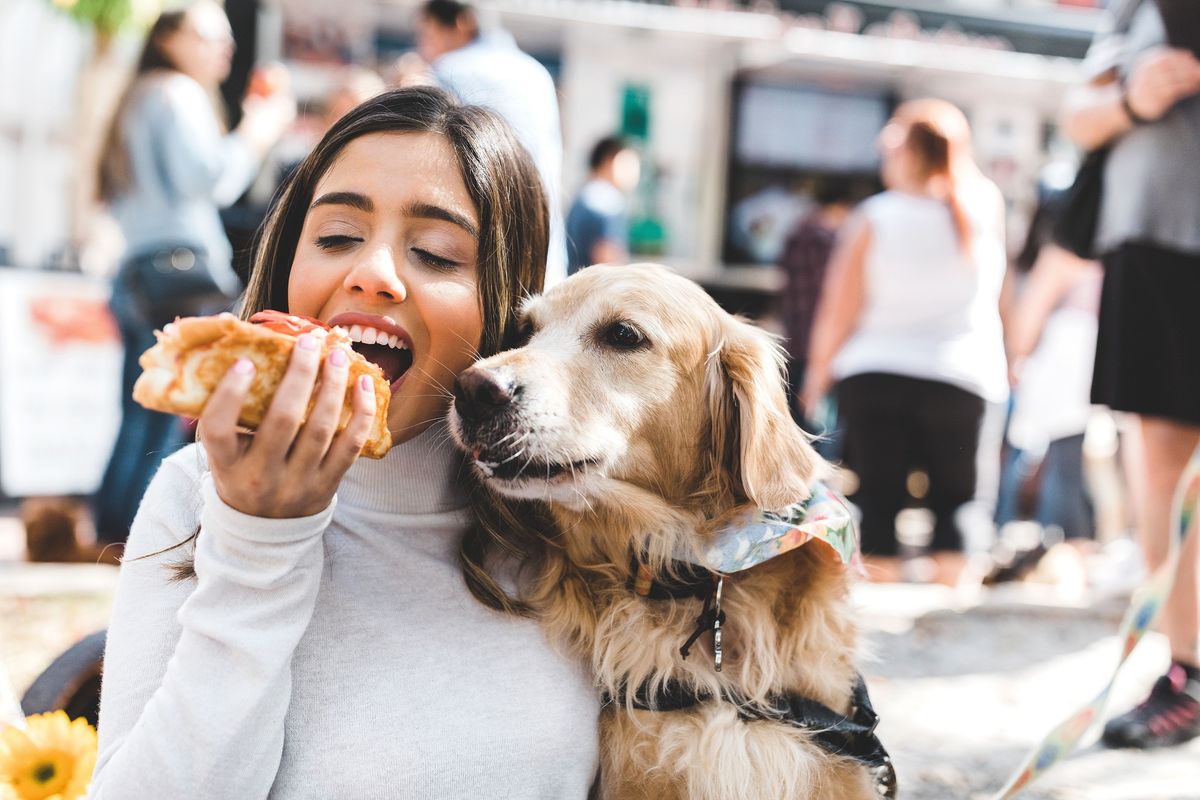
(144, 439)
(1062, 497)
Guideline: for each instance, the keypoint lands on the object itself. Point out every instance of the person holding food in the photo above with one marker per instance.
(291, 620)
(168, 166)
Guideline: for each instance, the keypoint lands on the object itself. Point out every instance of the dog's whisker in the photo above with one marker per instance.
(474, 348)
(440, 363)
(420, 423)
(506, 438)
(526, 466)
(443, 391)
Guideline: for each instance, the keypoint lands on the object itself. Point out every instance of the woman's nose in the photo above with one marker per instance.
(375, 275)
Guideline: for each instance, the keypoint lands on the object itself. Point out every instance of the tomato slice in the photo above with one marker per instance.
(291, 324)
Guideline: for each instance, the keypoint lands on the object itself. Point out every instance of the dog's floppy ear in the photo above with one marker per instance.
(764, 453)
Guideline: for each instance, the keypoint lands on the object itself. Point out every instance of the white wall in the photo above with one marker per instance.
(41, 55)
(689, 80)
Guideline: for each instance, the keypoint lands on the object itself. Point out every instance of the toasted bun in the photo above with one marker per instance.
(194, 353)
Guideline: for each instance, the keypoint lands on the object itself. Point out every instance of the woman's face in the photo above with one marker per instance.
(202, 47)
(389, 251)
(900, 168)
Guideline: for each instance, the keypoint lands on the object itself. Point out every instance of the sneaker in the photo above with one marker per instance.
(1013, 565)
(1169, 716)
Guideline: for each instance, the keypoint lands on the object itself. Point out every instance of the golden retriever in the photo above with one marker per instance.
(646, 418)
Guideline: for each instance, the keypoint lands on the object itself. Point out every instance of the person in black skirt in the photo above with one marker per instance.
(1143, 102)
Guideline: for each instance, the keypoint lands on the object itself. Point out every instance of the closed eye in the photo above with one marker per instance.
(435, 261)
(336, 242)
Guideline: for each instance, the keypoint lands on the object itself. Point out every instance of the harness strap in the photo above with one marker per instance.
(850, 736)
(689, 581)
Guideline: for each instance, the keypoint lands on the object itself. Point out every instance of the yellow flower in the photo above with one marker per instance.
(52, 759)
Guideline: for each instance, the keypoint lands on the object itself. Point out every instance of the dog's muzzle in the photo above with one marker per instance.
(480, 394)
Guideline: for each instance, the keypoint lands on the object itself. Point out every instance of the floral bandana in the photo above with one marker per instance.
(761, 535)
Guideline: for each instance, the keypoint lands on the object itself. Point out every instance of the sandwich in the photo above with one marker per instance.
(192, 354)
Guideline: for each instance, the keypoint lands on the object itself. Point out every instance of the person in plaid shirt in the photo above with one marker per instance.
(804, 259)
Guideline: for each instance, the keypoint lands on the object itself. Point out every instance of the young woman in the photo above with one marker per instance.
(326, 644)
(1142, 101)
(909, 327)
(168, 166)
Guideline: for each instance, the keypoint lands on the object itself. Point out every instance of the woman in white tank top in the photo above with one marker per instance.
(909, 329)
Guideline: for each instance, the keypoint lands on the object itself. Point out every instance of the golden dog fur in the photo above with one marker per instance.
(664, 442)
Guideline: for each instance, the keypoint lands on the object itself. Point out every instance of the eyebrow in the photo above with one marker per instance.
(352, 199)
(430, 211)
(420, 210)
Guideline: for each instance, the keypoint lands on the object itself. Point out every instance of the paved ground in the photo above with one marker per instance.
(964, 694)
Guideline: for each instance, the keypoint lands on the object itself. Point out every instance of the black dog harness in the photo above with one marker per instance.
(851, 736)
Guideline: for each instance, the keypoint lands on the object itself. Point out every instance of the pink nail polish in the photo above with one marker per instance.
(338, 357)
(365, 383)
(307, 342)
(244, 366)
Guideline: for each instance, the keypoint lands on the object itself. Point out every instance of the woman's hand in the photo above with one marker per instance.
(288, 468)
(1160, 79)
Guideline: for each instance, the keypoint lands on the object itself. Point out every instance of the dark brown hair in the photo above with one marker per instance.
(115, 171)
(500, 178)
(503, 182)
(449, 13)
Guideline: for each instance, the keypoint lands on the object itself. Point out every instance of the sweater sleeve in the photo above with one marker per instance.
(197, 159)
(197, 677)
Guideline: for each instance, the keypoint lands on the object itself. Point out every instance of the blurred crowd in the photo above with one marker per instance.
(996, 418)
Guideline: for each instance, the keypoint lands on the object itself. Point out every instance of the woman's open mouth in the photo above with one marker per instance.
(393, 357)
(381, 341)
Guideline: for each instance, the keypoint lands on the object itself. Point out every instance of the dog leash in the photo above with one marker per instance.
(1144, 609)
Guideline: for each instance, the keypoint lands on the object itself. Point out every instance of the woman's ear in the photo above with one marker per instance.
(764, 453)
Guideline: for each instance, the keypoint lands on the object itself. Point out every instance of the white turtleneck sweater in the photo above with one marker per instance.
(333, 657)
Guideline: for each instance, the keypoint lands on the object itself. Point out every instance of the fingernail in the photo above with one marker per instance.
(307, 342)
(244, 366)
(365, 383)
(338, 357)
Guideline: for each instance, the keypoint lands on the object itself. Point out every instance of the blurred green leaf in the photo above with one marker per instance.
(109, 17)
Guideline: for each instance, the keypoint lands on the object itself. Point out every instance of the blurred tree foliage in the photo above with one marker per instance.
(109, 17)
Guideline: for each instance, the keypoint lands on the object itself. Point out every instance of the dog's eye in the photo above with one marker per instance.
(623, 336)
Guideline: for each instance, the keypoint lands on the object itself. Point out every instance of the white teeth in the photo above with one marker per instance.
(366, 335)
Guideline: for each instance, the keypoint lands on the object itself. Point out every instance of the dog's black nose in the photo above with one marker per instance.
(479, 394)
